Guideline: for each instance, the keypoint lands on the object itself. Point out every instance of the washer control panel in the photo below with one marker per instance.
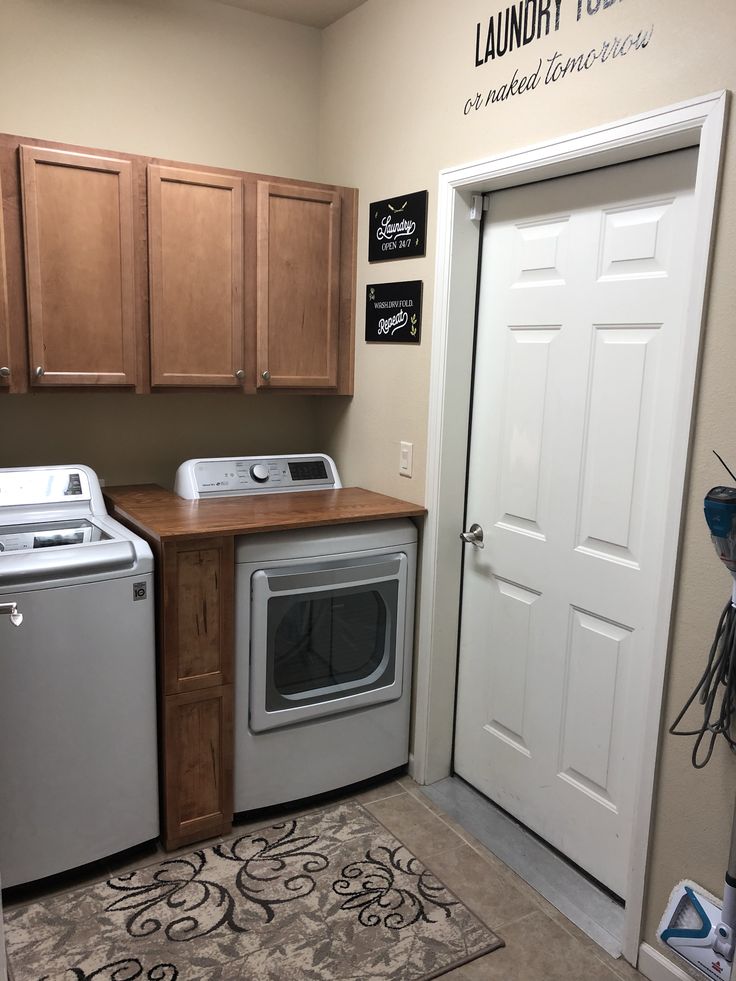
(236, 476)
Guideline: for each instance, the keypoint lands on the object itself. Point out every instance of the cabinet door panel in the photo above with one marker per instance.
(196, 275)
(298, 293)
(198, 614)
(198, 765)
(79, 239)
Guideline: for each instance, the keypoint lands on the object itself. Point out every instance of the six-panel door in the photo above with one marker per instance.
(79, 253)
(580, 338)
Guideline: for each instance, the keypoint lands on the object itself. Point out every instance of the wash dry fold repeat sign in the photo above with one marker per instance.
(393, 312)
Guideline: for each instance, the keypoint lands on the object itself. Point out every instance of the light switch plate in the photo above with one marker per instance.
(406, 458)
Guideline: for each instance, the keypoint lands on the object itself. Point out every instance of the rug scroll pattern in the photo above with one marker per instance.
(330, 896)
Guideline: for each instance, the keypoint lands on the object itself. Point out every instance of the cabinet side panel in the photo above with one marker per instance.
(4, 318)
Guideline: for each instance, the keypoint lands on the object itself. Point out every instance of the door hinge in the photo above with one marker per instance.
(479, 204)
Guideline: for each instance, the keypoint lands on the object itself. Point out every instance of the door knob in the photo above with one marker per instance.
(474, 536)
(240, 374)
(266, 375)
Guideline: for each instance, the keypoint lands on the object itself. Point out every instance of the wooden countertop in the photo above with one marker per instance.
(160, 514)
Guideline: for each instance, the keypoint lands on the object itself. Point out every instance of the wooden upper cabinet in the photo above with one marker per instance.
(195, 223)
(298, 286)
(80, 280)
(5, 371)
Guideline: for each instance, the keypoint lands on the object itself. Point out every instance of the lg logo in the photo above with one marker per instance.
(139, 591)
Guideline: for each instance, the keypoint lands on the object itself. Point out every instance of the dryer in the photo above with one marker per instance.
(324, 627)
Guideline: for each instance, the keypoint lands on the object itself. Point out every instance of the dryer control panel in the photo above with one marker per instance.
(236, 476)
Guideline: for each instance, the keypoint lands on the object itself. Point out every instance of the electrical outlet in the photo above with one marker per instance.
(406, 456)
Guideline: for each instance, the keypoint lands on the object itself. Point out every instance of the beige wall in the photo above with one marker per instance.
(396, 76)
(191, 80)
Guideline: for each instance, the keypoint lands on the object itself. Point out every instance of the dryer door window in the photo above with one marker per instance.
(325, 640)
(324, 644)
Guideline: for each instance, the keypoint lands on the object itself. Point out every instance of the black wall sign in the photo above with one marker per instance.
(398, 227)
(393, 312)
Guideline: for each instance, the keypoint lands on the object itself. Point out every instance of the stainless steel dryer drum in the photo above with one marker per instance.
(78, 771)
(324, 627)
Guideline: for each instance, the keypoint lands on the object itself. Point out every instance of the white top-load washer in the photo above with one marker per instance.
(324, 626)
(78, 747)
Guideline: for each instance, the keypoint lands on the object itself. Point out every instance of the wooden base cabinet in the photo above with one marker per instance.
(196, 670)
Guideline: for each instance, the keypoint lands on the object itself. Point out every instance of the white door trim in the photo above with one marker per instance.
(699, 122)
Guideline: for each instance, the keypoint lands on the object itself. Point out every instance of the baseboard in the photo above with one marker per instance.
(657, 967)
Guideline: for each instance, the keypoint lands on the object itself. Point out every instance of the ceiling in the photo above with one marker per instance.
(313, 13)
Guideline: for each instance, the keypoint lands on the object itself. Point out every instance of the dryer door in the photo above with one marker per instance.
(326, 638)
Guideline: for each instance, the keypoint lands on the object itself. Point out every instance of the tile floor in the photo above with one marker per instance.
(540, 942)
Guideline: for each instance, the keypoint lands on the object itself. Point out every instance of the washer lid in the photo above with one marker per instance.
(29, 536)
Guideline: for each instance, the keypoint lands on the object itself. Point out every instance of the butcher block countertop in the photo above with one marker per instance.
(161, 515)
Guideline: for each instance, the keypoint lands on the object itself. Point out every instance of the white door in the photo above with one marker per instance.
(580, 336)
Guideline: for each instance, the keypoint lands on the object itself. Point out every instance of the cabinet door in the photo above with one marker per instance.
(195, 223)
(4, 318)
(79, 241)
(298, 291)
(198, 765)
(198, 583)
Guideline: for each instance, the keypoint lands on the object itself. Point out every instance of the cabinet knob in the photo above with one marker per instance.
(4, 372)
(38, 372)
(240, 374)
(266, 375)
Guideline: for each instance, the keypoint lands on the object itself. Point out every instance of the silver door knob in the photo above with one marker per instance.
(474, 536)
(38, 372)
(266, 375)
(240, 374)
(4, 372)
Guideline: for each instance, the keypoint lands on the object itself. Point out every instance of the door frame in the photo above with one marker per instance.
(699, 122)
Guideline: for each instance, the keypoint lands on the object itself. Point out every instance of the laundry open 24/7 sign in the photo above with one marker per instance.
(398, 227)
(393, 312)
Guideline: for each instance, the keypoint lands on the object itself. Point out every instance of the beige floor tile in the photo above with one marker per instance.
(485, 889)
(536, 948)
(380, 792)
(423, 832)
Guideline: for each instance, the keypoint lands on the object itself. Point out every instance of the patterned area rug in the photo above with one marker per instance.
(331, 896)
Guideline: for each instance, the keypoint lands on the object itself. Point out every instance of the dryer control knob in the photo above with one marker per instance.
(259, 472)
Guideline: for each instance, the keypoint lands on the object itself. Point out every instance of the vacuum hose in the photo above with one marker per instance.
(719, 678)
